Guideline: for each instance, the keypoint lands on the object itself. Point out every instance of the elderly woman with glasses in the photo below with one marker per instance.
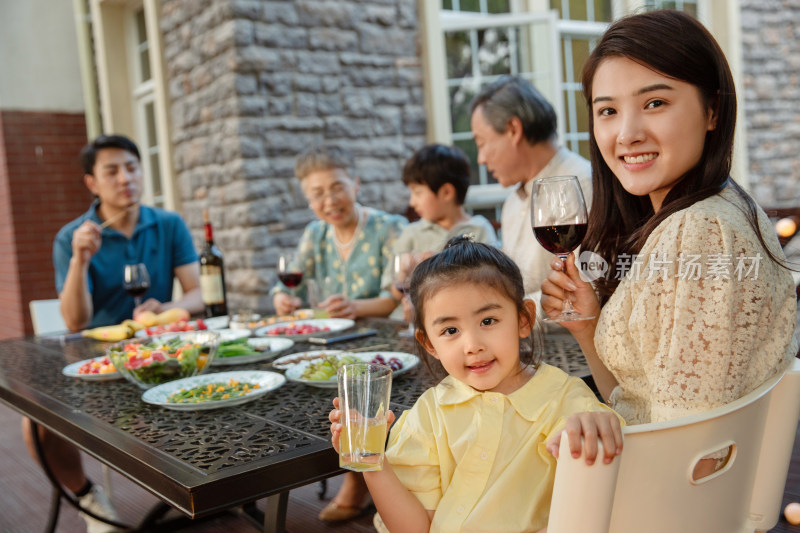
(347, 251)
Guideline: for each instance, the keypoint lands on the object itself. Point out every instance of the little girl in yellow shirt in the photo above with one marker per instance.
(476, 452)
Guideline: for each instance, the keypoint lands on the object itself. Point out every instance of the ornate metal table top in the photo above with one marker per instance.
(204, 461)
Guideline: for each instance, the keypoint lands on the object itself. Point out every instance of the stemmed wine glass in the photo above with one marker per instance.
(288, 272)
(136, 281)
(402, 265)
(558, 218)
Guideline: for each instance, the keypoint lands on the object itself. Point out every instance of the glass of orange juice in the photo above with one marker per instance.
(364, 392)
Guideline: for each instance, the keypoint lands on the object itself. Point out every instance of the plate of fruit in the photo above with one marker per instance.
(318, 368)
(302, 329)
(95, 369)
(249, 350)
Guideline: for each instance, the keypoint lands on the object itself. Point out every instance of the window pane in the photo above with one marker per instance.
(150, 124)
(584, 148)
(470, 5)
(468, 145)
(447, 4)
(580, 53)
(498, 6)
(143, 46)
(460, 98)
(602, 11)
(155, 174)
(691, 9)
(459, 54)
(577, 10)
(494, 53)
(141, 28)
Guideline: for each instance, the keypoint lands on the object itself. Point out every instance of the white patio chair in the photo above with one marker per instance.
(46, 317)
(650, 486)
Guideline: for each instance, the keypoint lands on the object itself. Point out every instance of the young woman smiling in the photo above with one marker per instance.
(697, 307)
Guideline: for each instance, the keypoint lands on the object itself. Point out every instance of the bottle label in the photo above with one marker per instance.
(211, 285)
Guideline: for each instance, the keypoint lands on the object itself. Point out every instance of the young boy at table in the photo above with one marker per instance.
(438, 178)
(89, 261)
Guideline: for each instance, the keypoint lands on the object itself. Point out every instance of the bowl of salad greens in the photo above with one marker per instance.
(151, 361)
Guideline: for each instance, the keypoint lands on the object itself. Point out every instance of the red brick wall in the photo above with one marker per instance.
(41, 189)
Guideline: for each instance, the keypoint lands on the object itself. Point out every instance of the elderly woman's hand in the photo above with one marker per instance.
(338, 306)
(568, 283)
(285, 304)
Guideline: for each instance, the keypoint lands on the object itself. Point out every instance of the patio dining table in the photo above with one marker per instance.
(204, 462)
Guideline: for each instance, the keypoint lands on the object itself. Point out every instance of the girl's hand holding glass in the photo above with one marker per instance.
(589, 426)
(335, 416)
(564, 281)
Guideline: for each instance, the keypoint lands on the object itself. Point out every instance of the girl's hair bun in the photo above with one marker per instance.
(460, 240)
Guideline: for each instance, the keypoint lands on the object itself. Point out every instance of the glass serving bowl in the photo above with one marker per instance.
(151, 361)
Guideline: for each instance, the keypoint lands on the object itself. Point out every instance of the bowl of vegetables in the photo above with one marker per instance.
(152, 361)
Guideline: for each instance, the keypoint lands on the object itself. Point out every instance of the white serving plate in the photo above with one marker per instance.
(294, 371)
(276, 346)
(267, 382)
(334, 325)
(72, 371)
(216, 322)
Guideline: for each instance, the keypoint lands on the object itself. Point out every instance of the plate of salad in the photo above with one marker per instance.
(249, 350)
(213, 391)
(318, 368)
(95, 369)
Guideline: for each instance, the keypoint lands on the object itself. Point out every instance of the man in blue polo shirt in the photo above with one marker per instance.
(89, 263)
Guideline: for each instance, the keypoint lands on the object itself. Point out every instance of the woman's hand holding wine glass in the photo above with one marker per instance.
(291, 276)
(559, 219)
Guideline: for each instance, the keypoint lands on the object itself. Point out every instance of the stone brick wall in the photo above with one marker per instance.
(252, 83)
(771, 50)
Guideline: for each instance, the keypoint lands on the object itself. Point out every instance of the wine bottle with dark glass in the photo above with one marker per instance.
(212, 274)
(558, 220)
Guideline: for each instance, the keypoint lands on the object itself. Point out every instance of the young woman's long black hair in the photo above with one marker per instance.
(676, 45)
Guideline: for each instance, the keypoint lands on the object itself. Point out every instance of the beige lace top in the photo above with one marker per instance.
(702, 317)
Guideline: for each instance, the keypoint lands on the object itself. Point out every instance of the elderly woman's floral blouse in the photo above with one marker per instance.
(367, 271)
(702, 317)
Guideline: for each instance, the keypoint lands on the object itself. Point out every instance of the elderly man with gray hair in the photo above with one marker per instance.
(515, 131)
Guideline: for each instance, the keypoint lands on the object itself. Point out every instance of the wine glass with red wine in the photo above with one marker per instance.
(558, 218)
(136, 281)
(288, 272)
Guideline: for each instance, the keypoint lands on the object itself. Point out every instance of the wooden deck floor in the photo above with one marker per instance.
(24, 496)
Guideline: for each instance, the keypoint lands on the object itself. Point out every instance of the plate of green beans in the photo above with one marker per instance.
(249, 350)
(212, 391)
